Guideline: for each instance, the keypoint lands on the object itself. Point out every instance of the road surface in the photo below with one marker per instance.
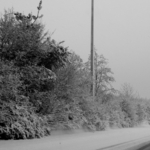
(116, 139)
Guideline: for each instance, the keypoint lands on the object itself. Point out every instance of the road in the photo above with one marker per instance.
(116, 139)
(144, 146)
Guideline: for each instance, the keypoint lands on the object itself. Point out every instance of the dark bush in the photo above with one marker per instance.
(18, 121)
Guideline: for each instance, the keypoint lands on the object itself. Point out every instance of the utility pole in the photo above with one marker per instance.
(92, 51)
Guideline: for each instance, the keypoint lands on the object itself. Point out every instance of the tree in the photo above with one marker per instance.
(128, 92)
(24, 43)
(103, 77)
(70, 86)
(28, 59)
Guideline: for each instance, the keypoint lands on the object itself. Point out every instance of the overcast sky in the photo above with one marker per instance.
(122, 33)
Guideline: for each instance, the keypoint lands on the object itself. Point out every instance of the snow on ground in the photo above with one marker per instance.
(81, 140)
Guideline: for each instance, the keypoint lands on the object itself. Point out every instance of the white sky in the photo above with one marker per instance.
(122, 33)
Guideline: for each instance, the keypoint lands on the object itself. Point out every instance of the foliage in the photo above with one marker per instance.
(27, 60)
(127, 91)
(18, 121)
(103, 78)
(17, 117)
(44, 87)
